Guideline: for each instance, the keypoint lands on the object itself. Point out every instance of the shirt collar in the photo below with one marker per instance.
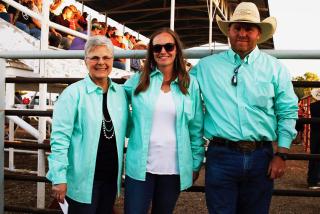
(249, 59)
(158, 72)
(91, 86)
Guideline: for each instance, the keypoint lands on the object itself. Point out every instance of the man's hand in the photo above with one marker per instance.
(195, 176)
(277, 165)
(59, 192)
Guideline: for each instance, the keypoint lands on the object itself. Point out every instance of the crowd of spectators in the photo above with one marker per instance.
(71, 18)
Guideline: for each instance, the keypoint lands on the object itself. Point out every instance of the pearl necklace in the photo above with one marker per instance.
(106, 130)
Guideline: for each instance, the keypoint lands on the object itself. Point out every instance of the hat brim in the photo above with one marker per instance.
(268, 27)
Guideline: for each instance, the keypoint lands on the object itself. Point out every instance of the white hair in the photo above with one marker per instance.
(94, 41)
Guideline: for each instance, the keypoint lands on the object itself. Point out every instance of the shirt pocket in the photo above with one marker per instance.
(188, 108)
(261, 95)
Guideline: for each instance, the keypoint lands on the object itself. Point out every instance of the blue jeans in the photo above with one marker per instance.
(120, 65)
(103, 198)
(35, 32)
(237, 182)
(163, 190)
(23, 27)
(5, 16)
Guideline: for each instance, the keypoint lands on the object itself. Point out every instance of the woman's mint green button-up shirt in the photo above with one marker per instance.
(76, 126)
(189, 127)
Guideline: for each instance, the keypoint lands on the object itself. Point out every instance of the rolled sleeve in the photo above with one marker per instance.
(196, 129)
(286, 109)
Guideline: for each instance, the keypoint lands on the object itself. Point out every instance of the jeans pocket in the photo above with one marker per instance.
(268, 151)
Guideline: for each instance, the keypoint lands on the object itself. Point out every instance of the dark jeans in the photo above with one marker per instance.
(120, 65)
(237, 182)
(5, 16)
(35, 32)
(103, 198)
(163, 190)
(314, 165)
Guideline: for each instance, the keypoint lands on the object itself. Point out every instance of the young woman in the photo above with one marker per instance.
(165, 149)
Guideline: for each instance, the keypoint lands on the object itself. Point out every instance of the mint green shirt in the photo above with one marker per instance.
(263, 105)
(188, 124)
(76, 126)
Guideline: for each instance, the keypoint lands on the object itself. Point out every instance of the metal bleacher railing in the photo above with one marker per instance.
(121, 54)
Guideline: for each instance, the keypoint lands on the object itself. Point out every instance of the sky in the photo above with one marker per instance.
(297, 29)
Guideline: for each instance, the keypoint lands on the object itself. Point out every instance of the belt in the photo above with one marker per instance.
(241, 146)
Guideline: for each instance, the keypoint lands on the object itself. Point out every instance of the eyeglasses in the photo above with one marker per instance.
(168, 47)
(234, 79)
(97, 58)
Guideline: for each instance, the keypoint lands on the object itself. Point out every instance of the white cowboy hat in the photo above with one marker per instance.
(315, 93)
(247, 12)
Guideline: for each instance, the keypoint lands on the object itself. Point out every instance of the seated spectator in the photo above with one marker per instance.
(25, 22)
(54, 5)
(137, 64)
(104, 28)
(78, 43)
(94, 20)
(3, 13)
(117, 41)
(132, 39)
(74, 21)
(111, 31)
(126, 40)
(63, 19)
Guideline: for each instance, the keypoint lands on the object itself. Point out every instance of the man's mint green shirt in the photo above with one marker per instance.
(263, 105)
(76, 126)
(189, 127)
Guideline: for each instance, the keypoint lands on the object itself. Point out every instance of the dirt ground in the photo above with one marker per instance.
(18, 193)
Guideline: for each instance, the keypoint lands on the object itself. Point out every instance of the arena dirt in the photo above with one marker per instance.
(18, 193)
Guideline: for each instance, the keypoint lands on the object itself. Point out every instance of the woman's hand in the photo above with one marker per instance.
(195, 176)
(59, 192)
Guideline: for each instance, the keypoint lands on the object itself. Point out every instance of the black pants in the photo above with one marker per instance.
(314, 165)
(103, 198)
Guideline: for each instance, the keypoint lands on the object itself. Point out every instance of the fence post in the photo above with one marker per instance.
(42, 105)
(2, 108)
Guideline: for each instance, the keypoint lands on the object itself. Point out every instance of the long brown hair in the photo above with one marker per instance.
(179, 68)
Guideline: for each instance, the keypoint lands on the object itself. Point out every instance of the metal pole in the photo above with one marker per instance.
(2, 108)
(42, 104)
(82, 7)
(140, 54)
(173, 3)
(10, 97)
(210, 25)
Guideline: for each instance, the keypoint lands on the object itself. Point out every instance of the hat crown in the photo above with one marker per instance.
(246, 11)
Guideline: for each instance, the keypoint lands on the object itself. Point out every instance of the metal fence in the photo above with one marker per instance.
(121, 54)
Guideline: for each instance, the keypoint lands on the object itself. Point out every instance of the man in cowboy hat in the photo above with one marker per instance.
(249, 102)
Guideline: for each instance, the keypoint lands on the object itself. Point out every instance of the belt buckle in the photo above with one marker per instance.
(246, 146)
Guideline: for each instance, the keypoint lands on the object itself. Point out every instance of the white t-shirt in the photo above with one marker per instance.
(162, 155)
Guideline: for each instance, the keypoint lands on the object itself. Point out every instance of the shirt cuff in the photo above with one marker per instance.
(284, 141)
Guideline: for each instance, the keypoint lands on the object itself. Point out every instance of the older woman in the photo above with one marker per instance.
(165, 150)
(88, 132)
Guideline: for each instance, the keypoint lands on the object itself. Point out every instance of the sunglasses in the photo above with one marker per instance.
(168, 47)
(234, 79)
